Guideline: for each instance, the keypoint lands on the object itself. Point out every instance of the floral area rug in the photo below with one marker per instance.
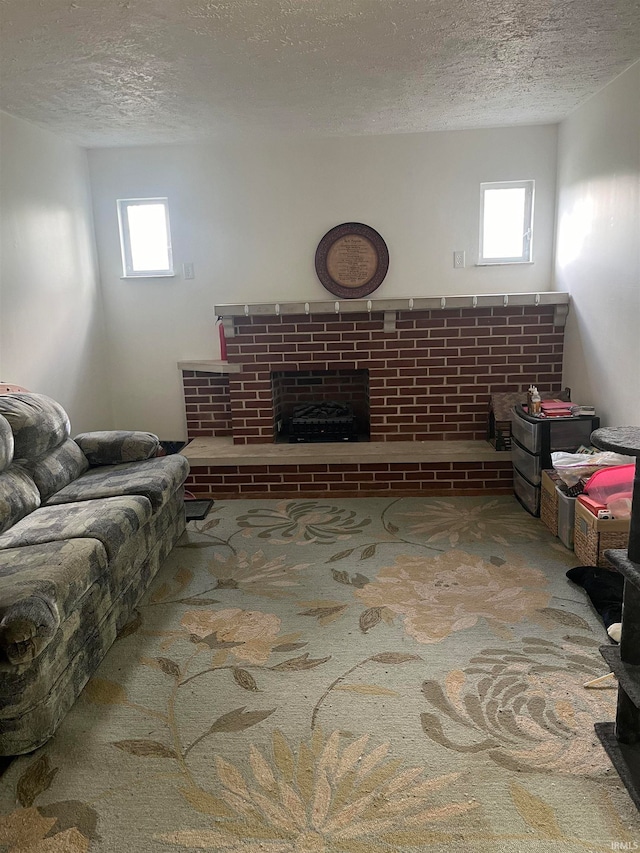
(349, 676)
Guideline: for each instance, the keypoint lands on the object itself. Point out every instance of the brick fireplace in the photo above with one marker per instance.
(428, 376)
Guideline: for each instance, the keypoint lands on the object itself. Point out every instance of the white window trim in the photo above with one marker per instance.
(125, 239)
(527, 242)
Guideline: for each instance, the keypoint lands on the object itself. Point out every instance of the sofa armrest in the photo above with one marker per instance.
(110, 447)
(28, 623)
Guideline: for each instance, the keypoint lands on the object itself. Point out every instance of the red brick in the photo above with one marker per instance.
(420, 475)
(359, 477)
(445, 332)
(467, 348)
(462, 321)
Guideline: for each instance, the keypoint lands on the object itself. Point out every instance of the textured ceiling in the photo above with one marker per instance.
(153, 71)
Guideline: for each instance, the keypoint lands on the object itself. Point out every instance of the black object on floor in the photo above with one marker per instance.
(604, 588)
(197, 510)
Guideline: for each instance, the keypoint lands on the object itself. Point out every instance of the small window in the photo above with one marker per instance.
(506, 222)
(145, 237)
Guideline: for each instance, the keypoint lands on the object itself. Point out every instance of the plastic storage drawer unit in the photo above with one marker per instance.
(528, 495)
(545, 435)
(528, 464)
(533, 441)
(526, 432)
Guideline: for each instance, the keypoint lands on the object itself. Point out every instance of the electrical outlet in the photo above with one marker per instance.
(458, 260)
(188, 271)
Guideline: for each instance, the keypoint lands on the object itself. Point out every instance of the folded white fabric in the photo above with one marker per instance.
(614, 630)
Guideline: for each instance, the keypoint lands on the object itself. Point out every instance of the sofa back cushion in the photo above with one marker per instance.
(40, 432)
(6, 444)
(19, 496)
(111, 447)
(57, 468)
(38, 423)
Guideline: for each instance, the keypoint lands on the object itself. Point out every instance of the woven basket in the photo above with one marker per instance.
(592, 537)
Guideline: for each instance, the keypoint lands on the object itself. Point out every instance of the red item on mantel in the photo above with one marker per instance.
(223, 342)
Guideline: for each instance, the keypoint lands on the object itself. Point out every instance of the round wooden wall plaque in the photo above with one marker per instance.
(352, 260)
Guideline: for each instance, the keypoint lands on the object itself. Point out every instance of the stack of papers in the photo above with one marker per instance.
(556, 408)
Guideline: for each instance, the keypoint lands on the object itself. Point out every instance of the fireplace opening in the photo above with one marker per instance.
(326, 420)
(321, 405)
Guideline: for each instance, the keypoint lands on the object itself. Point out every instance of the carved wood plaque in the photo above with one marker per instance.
(352, 260)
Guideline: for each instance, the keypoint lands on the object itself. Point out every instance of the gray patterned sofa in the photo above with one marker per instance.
(84, 526)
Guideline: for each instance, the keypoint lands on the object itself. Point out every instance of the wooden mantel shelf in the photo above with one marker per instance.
(416, 303)
(391, 307)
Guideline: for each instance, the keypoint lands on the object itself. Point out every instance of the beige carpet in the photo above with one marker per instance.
(357, 676)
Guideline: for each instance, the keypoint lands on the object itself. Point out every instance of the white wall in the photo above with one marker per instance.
(51, 330)
(249, 216)
(598, 249)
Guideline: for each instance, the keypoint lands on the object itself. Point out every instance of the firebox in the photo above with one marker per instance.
(321, 405)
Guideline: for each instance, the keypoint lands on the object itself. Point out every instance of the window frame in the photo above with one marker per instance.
(123, 205)
(527, 238)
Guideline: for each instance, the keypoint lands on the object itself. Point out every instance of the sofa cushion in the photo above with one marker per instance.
(115, 446)
(111, 521)
(57, 468)
(40, 586)
(18, 496)
(38, 423)
(6, 444)
(156, 479)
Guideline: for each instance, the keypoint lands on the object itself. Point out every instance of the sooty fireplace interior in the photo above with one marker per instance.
(321, 405)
